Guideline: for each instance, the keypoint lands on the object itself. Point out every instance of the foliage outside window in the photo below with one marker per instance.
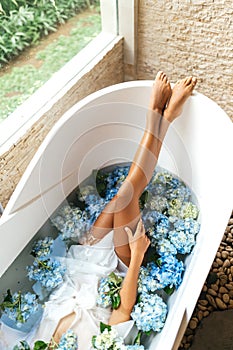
(22, 23)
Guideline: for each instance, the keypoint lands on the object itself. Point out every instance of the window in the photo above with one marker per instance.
(36, 92)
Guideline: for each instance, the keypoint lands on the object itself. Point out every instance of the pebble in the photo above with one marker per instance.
(229, 286)
(215, 286)
(226, 263)
(206, 313)
(220, 304)
(219, 262)
(200, 315)
(193, 324)
(212, 292)
(201, 307)
(225, 254)
(223, 290)
(226, 298)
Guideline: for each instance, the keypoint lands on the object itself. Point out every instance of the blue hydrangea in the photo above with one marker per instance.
(43, 247)
(149, 313)
(135, 347)
(68, 341)
(182, 193)
(171, 270)
(183, 237)
(21, 307)
(165, 247)
(109, 291)
(167, 272)
(103, 298)
(48, 271)
(157, 226)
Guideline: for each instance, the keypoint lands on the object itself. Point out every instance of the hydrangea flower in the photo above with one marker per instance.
(73, 223)
(108, 340)
(166, 273)
(135, 347)
(189, 210)
(68, 341)
(108, 291)
(174, 207)
(171, 270)
(157, 226)
(157, 203)
(183, 237)
(85, 191)
(165, 247)
(104, 298)
(43, 247)
(149, 313)
(19, 307)
(166, 179)
(48, 271)
(182, 193)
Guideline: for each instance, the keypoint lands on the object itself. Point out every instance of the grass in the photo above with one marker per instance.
(23, 81)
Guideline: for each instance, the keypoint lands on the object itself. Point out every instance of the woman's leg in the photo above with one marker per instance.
(123, 210)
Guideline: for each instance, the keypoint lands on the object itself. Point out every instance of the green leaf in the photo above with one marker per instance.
(40, 345)
(116, 300)
(23, 346)
(143, 199)
(103, 326)
(137, 340)
(8, 296)
(148, 333)
(169, 290)
(92, 341)
(115, 278)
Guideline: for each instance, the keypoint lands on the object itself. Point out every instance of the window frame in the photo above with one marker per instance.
(118, 20)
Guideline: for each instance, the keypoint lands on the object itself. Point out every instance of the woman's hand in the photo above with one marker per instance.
(138, 242)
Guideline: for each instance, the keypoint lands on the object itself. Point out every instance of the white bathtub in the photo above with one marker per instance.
(104, 129)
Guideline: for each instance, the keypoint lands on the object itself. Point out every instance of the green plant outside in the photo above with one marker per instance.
(23, 22)
(22, 82)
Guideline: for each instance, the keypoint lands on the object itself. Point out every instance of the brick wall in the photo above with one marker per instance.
(14, 162)
(189, 37)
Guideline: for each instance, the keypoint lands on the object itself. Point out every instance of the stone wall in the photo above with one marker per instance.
(14, 162)
(189, 37)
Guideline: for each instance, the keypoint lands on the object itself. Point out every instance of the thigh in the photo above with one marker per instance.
(128, 216)
(104, 222)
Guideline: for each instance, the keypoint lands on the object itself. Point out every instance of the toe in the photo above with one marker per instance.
(194, 81)
(165, 78)
(187, 81)
(159, 75)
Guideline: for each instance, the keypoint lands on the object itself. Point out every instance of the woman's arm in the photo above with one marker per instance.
(139, 244)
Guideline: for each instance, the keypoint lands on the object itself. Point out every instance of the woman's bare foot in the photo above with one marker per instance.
(161, 93)
(180, 92)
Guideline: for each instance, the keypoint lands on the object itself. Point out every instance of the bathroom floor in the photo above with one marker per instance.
(215, 332)
(211, 325)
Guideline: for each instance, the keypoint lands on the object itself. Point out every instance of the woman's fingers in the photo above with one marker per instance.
(129, 233)
(140, 230)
